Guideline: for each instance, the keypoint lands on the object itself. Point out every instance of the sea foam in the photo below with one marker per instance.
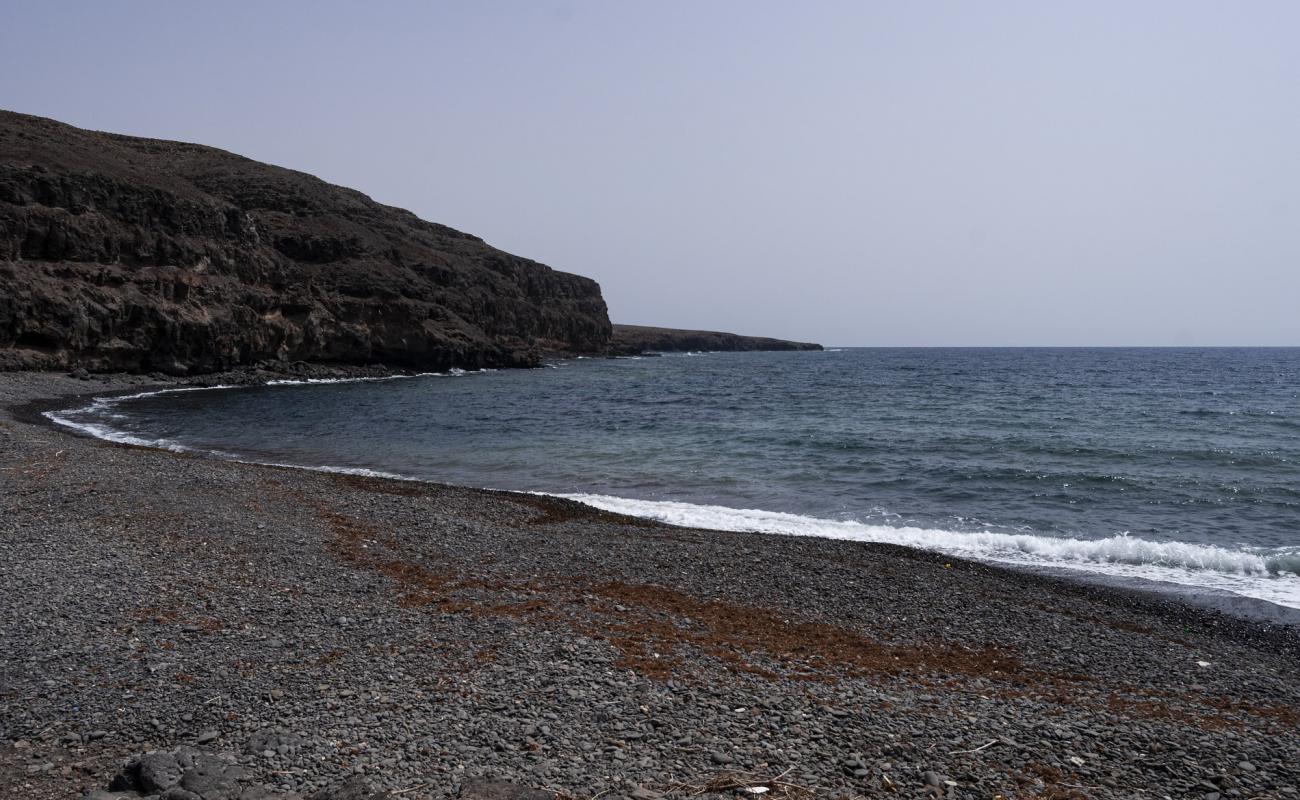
(81, 419)
(1268, 575)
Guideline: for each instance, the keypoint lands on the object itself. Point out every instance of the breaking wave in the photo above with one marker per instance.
(1268, 575)
(85, 419)
(81, 419)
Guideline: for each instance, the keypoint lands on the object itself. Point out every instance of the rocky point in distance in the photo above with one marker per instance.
(119, 253)
(633, 339)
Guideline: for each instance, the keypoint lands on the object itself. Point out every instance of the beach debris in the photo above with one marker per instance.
(747, 783)
(1202, 664)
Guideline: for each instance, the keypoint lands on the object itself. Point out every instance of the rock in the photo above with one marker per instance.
(720, 757)
(1245, 766)
(640, 793)
(484, 789)
(80, 374)
(930, 778)
(207, 736)
(157, 772)
(269, 742)
(211, 779)
(186, 773)
(637, 339)
(192, 260)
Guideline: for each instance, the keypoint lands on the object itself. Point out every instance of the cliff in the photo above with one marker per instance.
(121, 253)
(633, 339)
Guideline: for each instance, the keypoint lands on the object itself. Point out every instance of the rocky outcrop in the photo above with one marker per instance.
(192, 773)
(120, 253)
(636, 339)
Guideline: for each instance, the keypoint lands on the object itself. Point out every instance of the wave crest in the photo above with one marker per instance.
(1237, 570)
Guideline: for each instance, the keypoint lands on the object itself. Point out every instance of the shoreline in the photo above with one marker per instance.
(1234, 607)
(453, 623)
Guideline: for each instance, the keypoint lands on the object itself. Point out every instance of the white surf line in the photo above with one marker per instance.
(1274, 577)
(1180, 563)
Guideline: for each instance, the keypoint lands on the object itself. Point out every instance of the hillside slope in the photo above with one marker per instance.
(121, 253)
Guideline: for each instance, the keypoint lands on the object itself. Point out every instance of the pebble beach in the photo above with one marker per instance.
(186, 627)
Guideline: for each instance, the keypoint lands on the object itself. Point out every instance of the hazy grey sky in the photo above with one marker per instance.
(858, 173)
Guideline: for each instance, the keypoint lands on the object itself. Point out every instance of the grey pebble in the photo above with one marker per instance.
(427, 693)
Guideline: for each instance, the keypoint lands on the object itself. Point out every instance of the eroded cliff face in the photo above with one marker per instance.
(119, 253)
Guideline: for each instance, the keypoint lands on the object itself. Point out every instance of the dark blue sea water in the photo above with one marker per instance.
(1164, 464)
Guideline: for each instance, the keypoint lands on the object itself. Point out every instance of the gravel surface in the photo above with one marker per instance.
(192, 628)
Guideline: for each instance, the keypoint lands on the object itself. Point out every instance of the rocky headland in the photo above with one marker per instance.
(140, 255)
(637, 339)
(119, 253)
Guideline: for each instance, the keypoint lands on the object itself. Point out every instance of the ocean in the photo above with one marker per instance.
(1177, 468)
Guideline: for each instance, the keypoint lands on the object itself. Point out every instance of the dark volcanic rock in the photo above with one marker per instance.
(186, 773)
(120, 253)
(636, 339)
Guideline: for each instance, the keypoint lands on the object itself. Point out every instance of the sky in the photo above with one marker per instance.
(854, 173)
